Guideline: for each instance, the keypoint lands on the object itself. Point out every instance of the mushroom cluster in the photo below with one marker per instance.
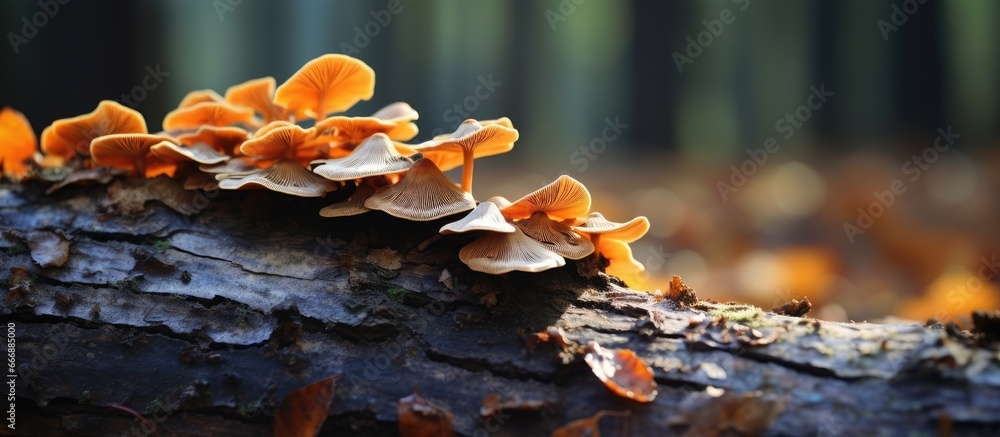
(288, 139)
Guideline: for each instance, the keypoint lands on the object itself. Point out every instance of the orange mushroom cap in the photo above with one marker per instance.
(395, 121)
(620, 260)
(328, 84)
(470, 141)
(224, 139)
(627, 232)
(566, 198)
(131, 152)
(257, 94)
(17, 143)
(283, 142)
(71, 136)
(200, 96)
(207, 113)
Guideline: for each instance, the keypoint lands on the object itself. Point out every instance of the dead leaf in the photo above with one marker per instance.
(48, 249)
(385, 258)
(101, 175)
(303, 411)
(129, 196)
(446, 279)
(552, 334)
(743, 414)
(20, 287)
(419, 417)
(623, 372)
(588, 427)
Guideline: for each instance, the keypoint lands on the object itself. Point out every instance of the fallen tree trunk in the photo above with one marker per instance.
(203, 320)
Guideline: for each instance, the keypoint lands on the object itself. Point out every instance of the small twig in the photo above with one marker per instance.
(428, 242)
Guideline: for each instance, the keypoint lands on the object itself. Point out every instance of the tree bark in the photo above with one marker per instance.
(202, 321)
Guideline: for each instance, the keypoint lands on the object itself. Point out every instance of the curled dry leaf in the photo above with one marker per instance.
(385, 258)
(129, 197)
(48, 249)
(100, 175)
(588, 427)
(303, 411)
(552, 335)
(419, 417)
(623, 372)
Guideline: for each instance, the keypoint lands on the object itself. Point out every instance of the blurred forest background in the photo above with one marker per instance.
(653, 105)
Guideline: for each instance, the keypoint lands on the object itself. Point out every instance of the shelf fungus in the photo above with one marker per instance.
(486, 217)
(326, 85)
(611, 239)
(223, 139)
(251, 138)
(423, 194)
(564, 199)
(376, 156)
(200, 96)
(470, 141)
(286, 153)
(207, 113)
(17, 144)
(132, 152)
(556, 236)
(344, 134)
(498, 253)
(72, 136)
(258, 95)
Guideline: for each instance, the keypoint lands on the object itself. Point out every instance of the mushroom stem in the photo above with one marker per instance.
(468, 159)
(320, 110)
(595, 239)
(140, 166)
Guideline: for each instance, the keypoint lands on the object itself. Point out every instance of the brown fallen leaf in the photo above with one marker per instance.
(623, 372)
(385, 258)
(419, 417)
(588, 426)
(552, 335)
(100, 175)
(21, 282)
(129, 197)
(48, 249)
(743, 414)
(303, 411)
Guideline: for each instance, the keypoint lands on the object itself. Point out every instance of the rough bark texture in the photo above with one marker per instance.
(203, 323)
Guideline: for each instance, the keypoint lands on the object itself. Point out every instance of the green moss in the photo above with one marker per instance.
(17, 250)
(247, 410)
(746, 315)
(161, 245)
(155, 406)
(129, 283)
(85, 398)
(396, 293)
